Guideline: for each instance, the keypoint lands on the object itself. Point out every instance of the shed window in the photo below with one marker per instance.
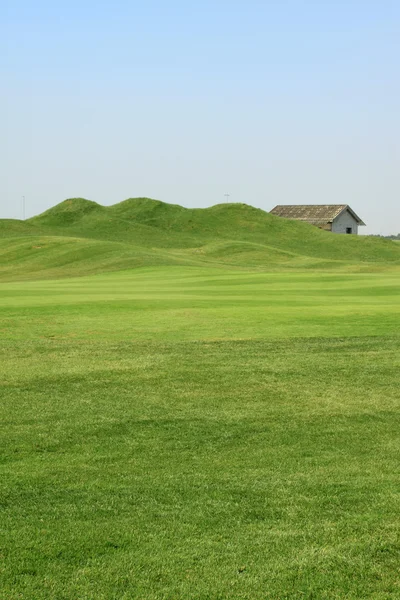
(349, 230)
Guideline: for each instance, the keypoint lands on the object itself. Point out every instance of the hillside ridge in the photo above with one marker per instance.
(147, 232)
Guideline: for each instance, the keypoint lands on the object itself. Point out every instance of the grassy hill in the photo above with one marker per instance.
(79, 236)
(210, 432)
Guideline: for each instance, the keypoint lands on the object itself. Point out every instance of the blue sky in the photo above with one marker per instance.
(274, 102)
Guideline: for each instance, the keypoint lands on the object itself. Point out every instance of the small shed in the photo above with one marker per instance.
(338, 218)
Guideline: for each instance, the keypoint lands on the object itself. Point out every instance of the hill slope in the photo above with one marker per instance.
(79, 236)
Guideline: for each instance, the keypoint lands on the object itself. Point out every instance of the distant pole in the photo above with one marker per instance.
(227, 196)
(23, 208)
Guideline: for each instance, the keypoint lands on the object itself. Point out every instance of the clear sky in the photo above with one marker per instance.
(273, 101)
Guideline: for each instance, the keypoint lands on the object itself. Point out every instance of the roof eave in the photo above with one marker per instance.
(353, 214)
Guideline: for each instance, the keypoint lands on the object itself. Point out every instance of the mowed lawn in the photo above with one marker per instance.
(186, 433)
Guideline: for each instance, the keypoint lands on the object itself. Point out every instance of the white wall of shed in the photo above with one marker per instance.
(344, 220)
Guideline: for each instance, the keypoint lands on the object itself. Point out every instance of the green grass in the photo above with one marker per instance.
(195, 432)
(197, 404)
(79, 237)
(190, 304)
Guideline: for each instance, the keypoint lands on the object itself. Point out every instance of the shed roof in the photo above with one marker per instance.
(317, 214)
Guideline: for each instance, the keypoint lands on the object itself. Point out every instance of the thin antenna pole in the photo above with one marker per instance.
(227, 197)
(23, 208)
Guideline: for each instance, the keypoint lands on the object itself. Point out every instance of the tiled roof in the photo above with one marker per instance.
(317, 214)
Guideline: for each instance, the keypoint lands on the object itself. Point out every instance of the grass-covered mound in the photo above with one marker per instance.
(68, 213)
(150, 232)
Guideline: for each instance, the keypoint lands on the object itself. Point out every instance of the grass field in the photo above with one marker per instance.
(197, 433)
(219, 422)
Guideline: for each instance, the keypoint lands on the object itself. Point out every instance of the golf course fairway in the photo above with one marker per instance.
(200, 432)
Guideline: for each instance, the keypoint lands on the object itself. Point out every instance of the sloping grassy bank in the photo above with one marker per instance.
(79, 237)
